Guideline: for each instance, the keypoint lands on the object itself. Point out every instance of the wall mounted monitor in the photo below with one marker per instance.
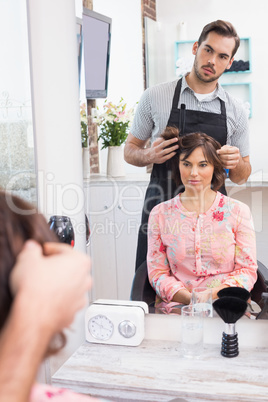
(96, 43)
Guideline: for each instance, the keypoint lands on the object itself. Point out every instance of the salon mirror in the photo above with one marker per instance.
(17, 166)
(174, 17)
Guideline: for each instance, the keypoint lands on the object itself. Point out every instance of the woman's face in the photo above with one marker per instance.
(196, 172)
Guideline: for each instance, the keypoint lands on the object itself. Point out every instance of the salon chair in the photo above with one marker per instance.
(142, 290)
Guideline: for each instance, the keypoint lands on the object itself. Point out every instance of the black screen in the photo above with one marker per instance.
(96, 36)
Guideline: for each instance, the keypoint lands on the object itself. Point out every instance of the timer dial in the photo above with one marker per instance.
(127, 328)
(100, 327)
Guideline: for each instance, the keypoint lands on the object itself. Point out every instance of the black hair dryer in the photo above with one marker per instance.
(63, 228)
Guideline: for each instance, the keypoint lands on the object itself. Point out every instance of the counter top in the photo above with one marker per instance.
(130, 178)
(145, 178)
(156, 371)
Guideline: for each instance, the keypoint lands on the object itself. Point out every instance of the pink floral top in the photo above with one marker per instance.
(46, 393)
(186, 251)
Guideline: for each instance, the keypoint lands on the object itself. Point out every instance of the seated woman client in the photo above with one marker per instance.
(200, 237)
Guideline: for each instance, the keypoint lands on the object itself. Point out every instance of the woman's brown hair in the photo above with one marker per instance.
(187, 144)
(19, 221)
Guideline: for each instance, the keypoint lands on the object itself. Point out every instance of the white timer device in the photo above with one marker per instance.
(115, 322)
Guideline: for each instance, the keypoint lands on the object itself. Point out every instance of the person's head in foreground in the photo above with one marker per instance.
(19, 222)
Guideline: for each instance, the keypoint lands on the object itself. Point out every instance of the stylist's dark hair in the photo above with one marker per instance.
(222, 28)
(19, 221)
(187, 144)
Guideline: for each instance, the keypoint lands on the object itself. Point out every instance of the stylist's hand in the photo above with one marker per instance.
(230, 156)
(56, 282)
(162, 150)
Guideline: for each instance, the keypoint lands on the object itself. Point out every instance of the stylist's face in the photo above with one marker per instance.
(213, 57)
(196, 172)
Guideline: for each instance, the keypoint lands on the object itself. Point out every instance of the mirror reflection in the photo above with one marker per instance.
(175, 22)
(115, 206)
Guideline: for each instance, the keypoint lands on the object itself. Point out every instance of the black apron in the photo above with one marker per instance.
(162, 187)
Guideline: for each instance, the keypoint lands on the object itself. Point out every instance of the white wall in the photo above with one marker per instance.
(14, 52)
(125, 72)
(55, 97)
(16, 133)
(250, 20)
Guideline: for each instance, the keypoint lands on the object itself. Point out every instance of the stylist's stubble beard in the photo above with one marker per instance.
(204, 78)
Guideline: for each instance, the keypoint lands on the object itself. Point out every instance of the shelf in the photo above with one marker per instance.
(242, 91)
(243, 53)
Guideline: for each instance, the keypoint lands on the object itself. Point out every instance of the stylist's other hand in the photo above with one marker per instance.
(230, 156)
(56, 282)
(162, 150)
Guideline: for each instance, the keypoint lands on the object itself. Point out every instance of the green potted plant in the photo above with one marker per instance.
(114, 123)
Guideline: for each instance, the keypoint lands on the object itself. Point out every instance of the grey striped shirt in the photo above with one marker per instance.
(154, 108)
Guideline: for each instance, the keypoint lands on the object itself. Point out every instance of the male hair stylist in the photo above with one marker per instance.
(196, 102)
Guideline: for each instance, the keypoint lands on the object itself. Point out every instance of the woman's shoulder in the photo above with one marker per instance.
(166, 206)
(232, 203)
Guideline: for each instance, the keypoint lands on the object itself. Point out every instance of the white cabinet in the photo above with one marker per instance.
(114, 211)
